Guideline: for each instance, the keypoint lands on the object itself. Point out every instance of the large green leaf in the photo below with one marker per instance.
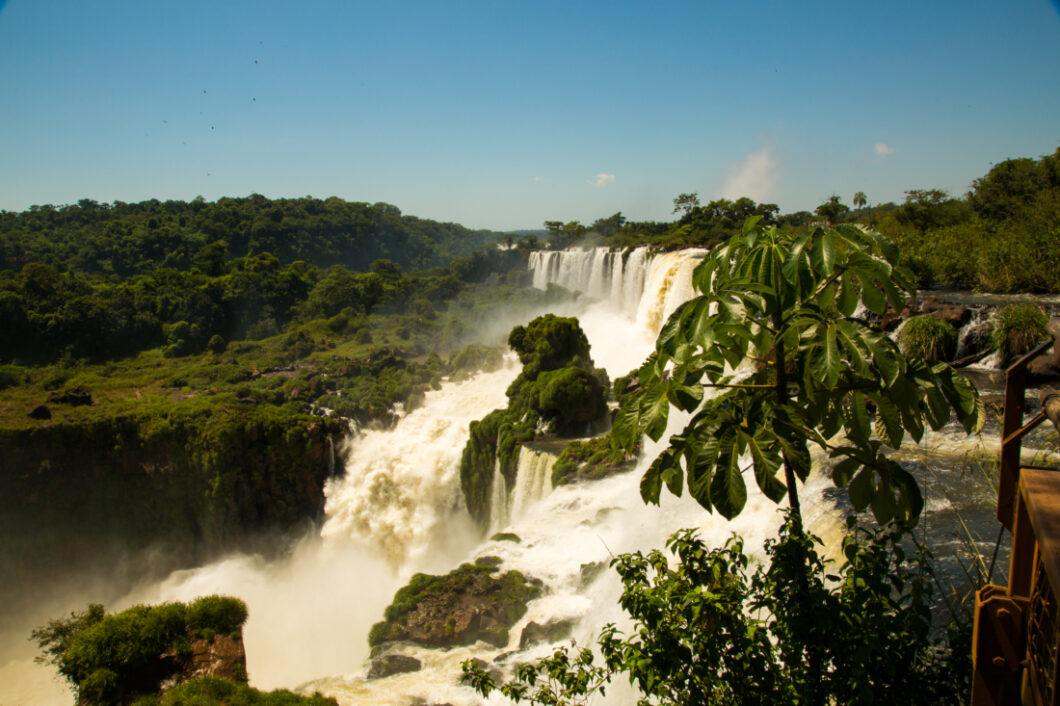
(655, 410)
(888, 420)
(625, 431)
(727, 490)
(765, 454)
(871, 295)
(862, 488)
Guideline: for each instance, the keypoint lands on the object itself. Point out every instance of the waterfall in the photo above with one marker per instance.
(499, 508)
(400, 496)
(533, 480)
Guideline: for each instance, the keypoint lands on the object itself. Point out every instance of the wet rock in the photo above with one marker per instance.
(469, 604)
(954, 314)
(75, 397)
(590, 572)
(220, 657)
(552, 631)
(1043, 369)
(40, 412)
(891, 318)
(387, 665)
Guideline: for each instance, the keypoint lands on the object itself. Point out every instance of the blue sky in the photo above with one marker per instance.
(504, 114)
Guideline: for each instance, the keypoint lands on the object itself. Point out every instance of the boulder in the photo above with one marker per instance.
(220, 657)
(75, 397)
(552, 631)
(387, 665)
(954, 314)
(465, 606)
(891, 318)
(40, 412)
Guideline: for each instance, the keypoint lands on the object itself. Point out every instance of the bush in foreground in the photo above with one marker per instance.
(707, 630)
(115, 658)
(927, 338)
(1019, 328)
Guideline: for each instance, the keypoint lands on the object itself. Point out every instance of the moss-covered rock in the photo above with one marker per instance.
(217, 690)
(558, 389)
(590, 459)
(466, 605)
(928, 338)
(1018, 329)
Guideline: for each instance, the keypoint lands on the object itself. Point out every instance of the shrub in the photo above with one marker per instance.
(216, 690)
(1019, 328)
(10, 376)
(927, 338)
(114, 658)
(712, 629)
(217, 344)
(221, 614)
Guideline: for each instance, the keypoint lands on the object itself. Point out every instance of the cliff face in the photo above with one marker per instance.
(73, 496)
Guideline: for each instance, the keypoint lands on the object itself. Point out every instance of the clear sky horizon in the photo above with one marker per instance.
(503, 115)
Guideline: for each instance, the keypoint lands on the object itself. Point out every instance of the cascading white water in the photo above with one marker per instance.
(400, 496)
(499, 514)
(533, 480)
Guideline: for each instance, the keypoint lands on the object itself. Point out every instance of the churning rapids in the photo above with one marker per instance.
(398, 510)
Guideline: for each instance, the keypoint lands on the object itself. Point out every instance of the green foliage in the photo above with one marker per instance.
(590, 459)
(208, 691)
(927, 338)
(1018, 329)
(10, 376)
(570, 397)
(111, 658)
(558, 385)
(1001, 238)
(550, 342)
(787, 302)
(211, 615)
(707, 630)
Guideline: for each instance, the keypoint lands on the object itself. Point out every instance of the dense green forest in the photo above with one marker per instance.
(127, 239)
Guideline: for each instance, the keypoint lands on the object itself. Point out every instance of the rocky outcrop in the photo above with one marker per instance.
(75, 397)
(388, 665)
(467, 605)
(559, 393)
(220, 657)
(552, 631)
(954, 314)
(78, 496)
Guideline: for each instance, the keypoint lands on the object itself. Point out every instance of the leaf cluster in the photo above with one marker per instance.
(777, 328)
(710, 630)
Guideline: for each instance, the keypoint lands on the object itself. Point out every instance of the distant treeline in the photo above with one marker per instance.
(1002, 236)
(134, 238)
(47, 315)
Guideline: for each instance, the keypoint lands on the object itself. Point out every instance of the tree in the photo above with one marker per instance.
(859, 200)
(786, 304)
(831, 209)
(686, 203)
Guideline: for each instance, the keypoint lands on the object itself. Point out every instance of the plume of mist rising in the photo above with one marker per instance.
(754, 177)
